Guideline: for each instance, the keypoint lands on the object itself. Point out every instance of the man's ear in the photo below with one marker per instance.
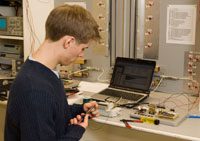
(68, 41)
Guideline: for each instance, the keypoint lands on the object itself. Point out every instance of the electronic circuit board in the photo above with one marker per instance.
(166, 116)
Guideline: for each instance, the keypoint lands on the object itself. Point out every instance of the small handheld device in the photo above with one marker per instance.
(87, 112)
(90, 110)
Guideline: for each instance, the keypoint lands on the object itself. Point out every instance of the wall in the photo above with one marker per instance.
(35, 13)
(171, 56)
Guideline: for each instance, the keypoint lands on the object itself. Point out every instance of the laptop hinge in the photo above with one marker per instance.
(133, 90)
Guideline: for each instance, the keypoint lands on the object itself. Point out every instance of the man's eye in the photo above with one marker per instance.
(84, 48)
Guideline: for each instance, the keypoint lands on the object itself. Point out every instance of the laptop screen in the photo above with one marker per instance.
(132, 74)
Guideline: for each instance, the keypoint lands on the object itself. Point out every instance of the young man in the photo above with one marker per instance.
(37, 108)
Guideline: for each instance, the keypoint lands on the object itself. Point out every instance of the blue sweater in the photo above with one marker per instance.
(37, 108)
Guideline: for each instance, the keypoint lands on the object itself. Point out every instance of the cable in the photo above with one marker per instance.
(171, 78)
(31, 26)
(174, 99)
(155, 89)
(100, 75)
(175, 78)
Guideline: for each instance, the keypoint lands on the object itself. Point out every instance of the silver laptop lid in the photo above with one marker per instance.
(132, 74)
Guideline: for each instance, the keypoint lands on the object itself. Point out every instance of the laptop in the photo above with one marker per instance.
(130, 82)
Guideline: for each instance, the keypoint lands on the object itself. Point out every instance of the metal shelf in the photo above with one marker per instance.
(12, 37)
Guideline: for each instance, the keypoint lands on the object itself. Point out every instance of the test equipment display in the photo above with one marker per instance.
(11, 26)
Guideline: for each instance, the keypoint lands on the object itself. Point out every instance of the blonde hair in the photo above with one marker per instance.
(72, 20)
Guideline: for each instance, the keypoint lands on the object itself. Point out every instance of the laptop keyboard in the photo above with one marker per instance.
(121, 94)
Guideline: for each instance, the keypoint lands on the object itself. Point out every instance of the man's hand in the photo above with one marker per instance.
(94, 112)
(91, 110)
(79, 121)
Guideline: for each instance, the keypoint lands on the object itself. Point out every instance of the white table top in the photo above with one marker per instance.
(188, 129)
